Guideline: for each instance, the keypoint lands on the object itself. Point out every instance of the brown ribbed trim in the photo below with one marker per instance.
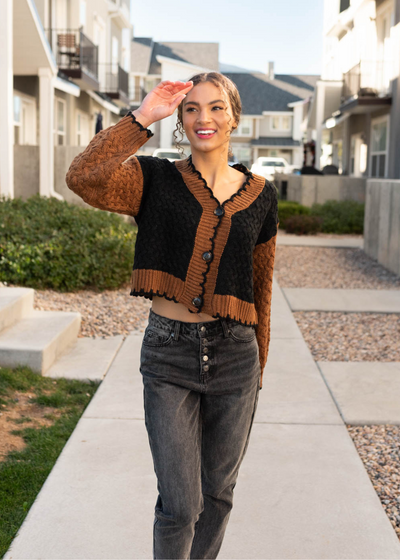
(147, 280)
(207, 234)
(234, 308)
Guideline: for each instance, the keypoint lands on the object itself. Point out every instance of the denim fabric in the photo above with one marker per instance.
(201, 383)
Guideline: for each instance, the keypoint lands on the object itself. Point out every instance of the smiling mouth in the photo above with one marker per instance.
(207, 133)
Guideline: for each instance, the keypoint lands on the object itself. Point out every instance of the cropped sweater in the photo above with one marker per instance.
(214, 258)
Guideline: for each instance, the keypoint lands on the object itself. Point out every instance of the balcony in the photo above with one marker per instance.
(76, 56)
(114, 82)
(367, 84)
(120, 10)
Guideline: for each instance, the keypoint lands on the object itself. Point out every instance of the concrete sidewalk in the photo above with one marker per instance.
(350, 301)
(302, 492)
(342, 241)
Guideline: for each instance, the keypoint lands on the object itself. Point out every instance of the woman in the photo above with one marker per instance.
(204, 255)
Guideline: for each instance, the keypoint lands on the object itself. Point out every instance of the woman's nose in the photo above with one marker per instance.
(204, 116)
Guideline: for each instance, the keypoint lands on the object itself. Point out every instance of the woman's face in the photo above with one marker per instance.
(205, 117)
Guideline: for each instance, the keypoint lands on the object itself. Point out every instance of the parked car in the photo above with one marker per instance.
(268, 166)
(169, 153)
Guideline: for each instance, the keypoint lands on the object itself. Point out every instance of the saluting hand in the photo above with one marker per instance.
(161, 101)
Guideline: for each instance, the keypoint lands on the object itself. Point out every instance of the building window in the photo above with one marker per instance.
(243, 155)
(245, 128)
(17, 120)
(24, 120)
(281, 122)
(59, 122)
(82, 13)
(379, 147)
(82, 129)
(114, 55)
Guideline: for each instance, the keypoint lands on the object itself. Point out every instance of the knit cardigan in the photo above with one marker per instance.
(214, 258)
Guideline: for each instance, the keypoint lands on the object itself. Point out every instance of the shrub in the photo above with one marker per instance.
(287, 208)
(48, 243)
(303, 224)
(340, 216)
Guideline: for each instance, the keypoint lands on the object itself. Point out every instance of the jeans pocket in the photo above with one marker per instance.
(242, 333)
(155, 336)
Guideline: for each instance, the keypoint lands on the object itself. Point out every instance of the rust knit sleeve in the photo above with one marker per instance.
(104, 175)
(263, 266)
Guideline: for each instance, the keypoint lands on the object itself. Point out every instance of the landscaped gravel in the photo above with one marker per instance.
(379, 449)
(355, 337)
(104, 314)
(325, 267)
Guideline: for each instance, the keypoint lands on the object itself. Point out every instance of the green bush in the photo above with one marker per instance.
(287, 208)
(303, 224)
(340, 216)
(48, 243)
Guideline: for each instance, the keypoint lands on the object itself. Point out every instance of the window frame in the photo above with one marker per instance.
(239, 130)
(58, 133)
(27, 130)
(280, 127)
(79, 115)
(378, 153)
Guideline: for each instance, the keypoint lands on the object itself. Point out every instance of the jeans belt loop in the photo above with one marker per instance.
(176, 330)
(225, 327)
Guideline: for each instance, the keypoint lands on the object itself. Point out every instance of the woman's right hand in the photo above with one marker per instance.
(161, 101)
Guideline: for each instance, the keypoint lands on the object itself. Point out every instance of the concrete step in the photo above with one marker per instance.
(351, 301)
(39, 340)
(15, 304)
(87, 359)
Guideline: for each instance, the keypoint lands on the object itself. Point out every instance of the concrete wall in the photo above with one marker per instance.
(26, 171)
(382, 222)
(308, 189)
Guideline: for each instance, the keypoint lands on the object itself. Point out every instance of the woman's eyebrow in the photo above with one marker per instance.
(211, 102)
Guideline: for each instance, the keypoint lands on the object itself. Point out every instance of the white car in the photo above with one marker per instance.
(171, 154)
(268, 166)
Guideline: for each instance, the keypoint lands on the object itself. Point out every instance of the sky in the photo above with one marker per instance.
(249, 32)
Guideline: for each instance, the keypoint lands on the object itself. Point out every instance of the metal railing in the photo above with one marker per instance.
(367, 78)
(73, 50)
(138, 93)
(114, 79)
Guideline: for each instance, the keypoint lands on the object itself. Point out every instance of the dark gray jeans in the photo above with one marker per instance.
(201, 383)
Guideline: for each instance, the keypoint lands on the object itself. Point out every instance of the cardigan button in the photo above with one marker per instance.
(207, 256)
(219, 211)
(197, 301)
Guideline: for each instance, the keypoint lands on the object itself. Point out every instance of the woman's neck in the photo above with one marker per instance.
(213, 166)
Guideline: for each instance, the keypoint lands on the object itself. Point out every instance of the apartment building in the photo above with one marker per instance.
(153, 62)
(66, 70)
(274, 120)
(356, 109)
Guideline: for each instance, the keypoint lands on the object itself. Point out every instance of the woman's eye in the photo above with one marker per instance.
(217, 107)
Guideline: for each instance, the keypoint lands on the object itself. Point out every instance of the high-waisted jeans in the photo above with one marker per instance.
(201, 383)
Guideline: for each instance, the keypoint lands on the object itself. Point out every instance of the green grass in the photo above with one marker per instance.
(23, 473)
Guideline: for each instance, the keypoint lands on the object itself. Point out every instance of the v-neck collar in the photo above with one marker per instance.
(241, 199)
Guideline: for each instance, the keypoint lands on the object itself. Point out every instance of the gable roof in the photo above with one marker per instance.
(260, 93)
(144, 53)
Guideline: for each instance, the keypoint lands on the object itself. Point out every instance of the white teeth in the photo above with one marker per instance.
(205, 131)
